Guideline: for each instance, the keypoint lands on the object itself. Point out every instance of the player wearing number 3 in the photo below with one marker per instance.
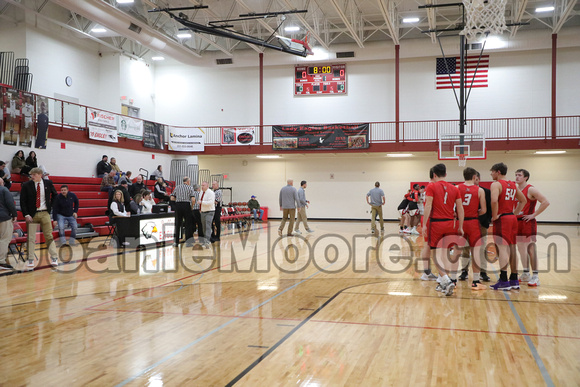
(505, 195)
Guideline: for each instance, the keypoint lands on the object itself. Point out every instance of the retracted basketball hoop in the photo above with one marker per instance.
(484, 17)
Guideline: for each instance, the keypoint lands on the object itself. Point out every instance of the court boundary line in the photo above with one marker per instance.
(215, 330)
(339, 323)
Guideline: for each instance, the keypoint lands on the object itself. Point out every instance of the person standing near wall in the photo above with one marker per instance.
(302, 206)
(376, 199)
(288, 203)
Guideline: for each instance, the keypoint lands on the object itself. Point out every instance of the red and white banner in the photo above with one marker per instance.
(239, 136)
(102, 125)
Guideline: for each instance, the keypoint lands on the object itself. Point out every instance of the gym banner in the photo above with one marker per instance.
(102, 125)
(153, 135)
(186, 139)
(27, 118)
(239, 136)
(41, 122)
(12, 106)
(130, 127)
(315, 137)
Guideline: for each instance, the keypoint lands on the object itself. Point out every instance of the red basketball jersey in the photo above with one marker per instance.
(470, 199)
(530, 206)
(444, 195)
(507, 198)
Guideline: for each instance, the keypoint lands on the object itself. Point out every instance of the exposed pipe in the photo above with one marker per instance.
(115, 20)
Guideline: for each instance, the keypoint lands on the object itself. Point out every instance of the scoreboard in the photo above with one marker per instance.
(316, 80)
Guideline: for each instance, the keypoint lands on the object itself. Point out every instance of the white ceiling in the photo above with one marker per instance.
(327, 22)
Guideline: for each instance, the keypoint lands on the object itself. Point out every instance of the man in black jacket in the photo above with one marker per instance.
(65, 210)
(137, 186)
(103, 167)
(36, 199)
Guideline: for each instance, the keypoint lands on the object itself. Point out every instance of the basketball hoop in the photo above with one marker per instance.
(462, 159)
(483, 17)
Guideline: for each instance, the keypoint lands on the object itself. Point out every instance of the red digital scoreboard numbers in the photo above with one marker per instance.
(320, 80)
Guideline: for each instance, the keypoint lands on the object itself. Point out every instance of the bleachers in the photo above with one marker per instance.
(93, 204)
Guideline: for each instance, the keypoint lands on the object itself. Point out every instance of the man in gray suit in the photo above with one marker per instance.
(288, 204)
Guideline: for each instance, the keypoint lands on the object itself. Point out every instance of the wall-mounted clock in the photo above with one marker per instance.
(68, 81)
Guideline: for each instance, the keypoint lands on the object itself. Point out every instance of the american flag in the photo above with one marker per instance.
(446, 66)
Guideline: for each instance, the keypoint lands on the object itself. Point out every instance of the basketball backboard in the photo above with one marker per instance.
(462, 146)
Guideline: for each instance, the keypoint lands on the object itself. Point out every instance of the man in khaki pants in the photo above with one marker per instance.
(288, 204)
(376, 199)
(302, 206)
(36, 199)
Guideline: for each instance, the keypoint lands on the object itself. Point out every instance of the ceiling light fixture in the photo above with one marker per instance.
(410, 20)
(554, 152)
(157, 58)
(125, 1)
(268, 156)
(399, 155)
(98, 30)
(292, 29)
(544, 9)
(184, 35)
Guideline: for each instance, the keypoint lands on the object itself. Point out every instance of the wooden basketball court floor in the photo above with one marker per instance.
(178, 317)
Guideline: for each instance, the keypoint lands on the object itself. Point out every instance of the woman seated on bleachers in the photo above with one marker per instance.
(147, 203)
(32, 162)
(117, 206)
(161, 191)
(19, 164)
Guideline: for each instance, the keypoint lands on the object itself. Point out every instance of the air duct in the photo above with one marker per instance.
(115, 20)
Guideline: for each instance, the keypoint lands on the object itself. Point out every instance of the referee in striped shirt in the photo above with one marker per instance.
(184, 197)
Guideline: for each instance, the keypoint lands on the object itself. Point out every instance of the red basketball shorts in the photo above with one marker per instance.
(505, 230)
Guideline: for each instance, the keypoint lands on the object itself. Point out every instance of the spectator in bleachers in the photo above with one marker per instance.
(254, 207)
(19, 164)
(5, 175)
(8, 216)
(124, 188)
(32, 162)
(117, 169)
(103, 167)
(65, 211)
(161, 190)
(136, 205)
(137, 186)
(147, 202)
(158, 173)
(108, 182)
(128, 175)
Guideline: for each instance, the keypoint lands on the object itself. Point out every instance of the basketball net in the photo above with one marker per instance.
(462, 159)
(484, 17)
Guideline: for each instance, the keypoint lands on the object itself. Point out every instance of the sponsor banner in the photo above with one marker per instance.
(186, 139)
(102, 125)
(156, 230)
(239, 136)
(27, 129)
(130, 127)
(41, 122)
(12, 106)
(315, 137)
(153, 135)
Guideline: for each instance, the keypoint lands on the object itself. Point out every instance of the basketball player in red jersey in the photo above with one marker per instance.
(426, 251)
(441, 198)
(473, 200)
(505, 195)
(527, 226)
